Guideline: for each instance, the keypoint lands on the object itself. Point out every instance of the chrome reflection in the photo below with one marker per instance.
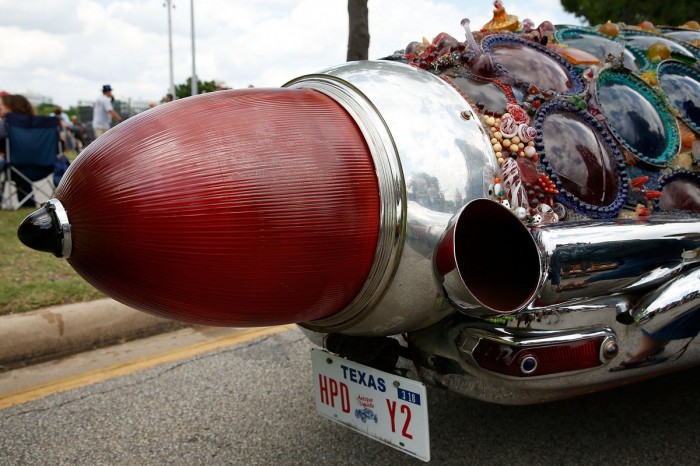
(48, 229)
(668, 314)
(559, 264)
(584, 260)
(675, 304)
(432, 171)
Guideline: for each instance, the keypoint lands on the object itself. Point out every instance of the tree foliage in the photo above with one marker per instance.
(185, 89)
(46, 109)
(633, 12)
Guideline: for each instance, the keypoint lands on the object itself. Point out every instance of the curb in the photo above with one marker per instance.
(59, 331)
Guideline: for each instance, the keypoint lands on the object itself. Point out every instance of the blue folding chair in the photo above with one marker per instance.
(32, 150)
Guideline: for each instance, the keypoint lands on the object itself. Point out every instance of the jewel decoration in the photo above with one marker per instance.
(599, 45)
(571, 111)
(531, 202)
(680, 191)
(443, 52)
(638, 118)
(687, 136)
(609, 29)
(658, 51)
(681, 84)
(546, 214)
(581, 160)
(513, 188)
(501, 20)
(530, 64)
(519, 115)
(644, 40)
(578, 57)
(647, 26)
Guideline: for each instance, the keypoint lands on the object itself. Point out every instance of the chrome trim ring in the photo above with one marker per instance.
(393, 203)
(528, 364)
(55, 206)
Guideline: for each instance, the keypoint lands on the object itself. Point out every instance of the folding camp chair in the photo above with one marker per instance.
(32, 150)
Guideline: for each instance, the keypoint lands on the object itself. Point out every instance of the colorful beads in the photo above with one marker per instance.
(508, 126)
(547, 184)
(510, 136)
(639, 181)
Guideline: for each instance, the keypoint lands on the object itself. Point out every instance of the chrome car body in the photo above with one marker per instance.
(517, 260)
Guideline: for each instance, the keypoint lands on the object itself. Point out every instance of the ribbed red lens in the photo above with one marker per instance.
(536, 361)
(238, 208)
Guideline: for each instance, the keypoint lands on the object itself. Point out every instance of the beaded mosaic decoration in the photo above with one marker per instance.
(585, 122)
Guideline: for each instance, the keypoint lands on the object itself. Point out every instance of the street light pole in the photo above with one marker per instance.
(194, 72)
(168, 5)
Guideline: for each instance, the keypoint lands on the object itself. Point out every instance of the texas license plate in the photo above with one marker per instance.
(384, 406)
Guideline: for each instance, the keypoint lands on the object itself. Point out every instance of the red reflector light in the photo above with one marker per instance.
(536, 361)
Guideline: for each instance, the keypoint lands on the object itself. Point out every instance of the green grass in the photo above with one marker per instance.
(31, 280)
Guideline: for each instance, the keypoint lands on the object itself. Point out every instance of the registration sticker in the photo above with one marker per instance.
(383, 406)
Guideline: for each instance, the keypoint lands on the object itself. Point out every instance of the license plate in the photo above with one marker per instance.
(383, 406)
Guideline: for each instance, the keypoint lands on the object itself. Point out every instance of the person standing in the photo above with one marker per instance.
(79, 134)
(66, 126)
(103, 112)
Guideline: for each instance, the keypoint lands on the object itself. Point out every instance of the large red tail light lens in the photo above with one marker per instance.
(238, 208)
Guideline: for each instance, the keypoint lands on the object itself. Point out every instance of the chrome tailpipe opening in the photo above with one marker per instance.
(487, 261)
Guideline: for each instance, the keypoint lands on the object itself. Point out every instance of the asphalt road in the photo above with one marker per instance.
(252, 404)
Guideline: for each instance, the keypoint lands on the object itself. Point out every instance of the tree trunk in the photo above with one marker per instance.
(358, 39)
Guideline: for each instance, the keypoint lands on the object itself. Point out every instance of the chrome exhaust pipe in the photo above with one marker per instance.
(590, 259)
(489, 263)
(674, 303)
(483, 248)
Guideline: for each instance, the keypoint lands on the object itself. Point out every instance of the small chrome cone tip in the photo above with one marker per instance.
(47, 229)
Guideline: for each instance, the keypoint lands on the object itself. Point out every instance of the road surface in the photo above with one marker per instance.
(247, 399)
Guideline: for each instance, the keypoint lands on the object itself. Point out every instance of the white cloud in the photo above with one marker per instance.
(66, 49)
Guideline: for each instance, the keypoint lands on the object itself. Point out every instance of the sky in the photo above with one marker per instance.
(67, 49)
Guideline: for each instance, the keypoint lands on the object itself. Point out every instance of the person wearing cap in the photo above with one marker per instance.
(103, 112)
